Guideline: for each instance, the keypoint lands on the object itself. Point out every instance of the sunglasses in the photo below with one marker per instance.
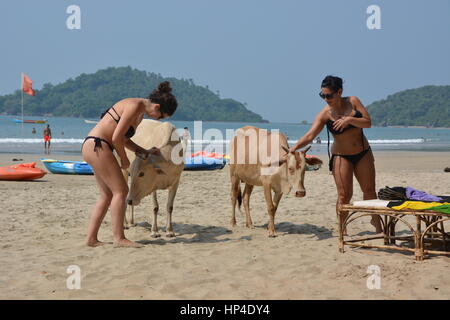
(326, 96)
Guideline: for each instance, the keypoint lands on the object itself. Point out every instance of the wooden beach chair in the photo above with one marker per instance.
(426, 227)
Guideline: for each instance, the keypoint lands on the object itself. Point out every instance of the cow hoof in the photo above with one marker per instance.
(272, 235)
(155, 235)
(170, 234)
(126, 227)
(250, 226)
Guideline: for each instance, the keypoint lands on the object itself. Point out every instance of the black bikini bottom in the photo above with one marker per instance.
(353, 158)
(98, 143)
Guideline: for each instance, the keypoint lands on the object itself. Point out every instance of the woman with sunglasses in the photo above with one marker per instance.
(345, 118)
(113, 132)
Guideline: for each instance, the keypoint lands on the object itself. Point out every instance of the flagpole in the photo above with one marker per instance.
(21, 89)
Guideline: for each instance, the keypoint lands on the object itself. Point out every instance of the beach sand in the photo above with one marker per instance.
(43, 227)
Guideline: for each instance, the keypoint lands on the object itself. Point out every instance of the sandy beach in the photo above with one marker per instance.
(43, 227)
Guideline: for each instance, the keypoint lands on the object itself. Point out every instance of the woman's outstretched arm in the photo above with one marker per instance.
(309, 136)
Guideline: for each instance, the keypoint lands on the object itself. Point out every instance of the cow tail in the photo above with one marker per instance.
(239, 197)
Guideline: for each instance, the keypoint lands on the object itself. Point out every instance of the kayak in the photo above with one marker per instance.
(203, 163)
(67, 167)
(312, 167)
(215, 155)
(209, 154)
(29, 121)
(21, 171)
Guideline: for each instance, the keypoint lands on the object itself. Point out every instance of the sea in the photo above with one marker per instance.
(68, 135)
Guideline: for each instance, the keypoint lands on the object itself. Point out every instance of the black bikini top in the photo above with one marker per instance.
(130, 132)
(334, 132)
(330, 124)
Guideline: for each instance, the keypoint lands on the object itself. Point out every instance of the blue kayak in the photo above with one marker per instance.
(67, 167)
(203, 163)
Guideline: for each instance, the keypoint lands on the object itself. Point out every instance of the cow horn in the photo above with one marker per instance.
(306, 150)
(285, 149)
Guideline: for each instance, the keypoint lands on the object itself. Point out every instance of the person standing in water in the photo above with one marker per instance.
(47, 137)
(185, 138)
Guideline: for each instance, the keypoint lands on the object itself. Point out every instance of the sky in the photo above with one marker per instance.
(271, 55)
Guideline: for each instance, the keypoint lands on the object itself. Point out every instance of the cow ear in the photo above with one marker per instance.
(285, 149)
(313, 161)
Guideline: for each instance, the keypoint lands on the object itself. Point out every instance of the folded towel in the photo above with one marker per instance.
(414, 194)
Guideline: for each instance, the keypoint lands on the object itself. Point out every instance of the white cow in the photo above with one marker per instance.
(156, 172)
(280, 171)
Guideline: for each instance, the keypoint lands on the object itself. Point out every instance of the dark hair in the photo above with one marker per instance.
(163, 96)
(332, 83)
(185, 127)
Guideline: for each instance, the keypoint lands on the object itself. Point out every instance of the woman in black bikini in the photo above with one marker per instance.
(345, 118)
(113, 132)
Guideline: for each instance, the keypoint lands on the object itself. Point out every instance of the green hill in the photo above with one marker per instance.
(426, 106)
(88, 95)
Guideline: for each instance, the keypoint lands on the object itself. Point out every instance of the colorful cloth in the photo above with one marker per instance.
(414, 194)
(443, 208)
(419, 205)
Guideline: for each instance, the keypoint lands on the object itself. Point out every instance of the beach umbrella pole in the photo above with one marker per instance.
(21, 89)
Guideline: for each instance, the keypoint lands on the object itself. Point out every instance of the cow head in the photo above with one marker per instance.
(148, 175)
(295, 170)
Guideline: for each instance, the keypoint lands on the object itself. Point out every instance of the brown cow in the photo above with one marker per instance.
(262, 158)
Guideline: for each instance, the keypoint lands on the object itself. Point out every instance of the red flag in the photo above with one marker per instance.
(27, 85)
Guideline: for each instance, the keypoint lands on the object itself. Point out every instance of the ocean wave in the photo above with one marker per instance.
(41, 140)
(397, 141)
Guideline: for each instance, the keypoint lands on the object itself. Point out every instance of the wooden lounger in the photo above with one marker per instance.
(433, 229)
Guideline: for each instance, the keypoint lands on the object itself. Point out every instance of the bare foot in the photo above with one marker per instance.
(125, 243)
(94, 243)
